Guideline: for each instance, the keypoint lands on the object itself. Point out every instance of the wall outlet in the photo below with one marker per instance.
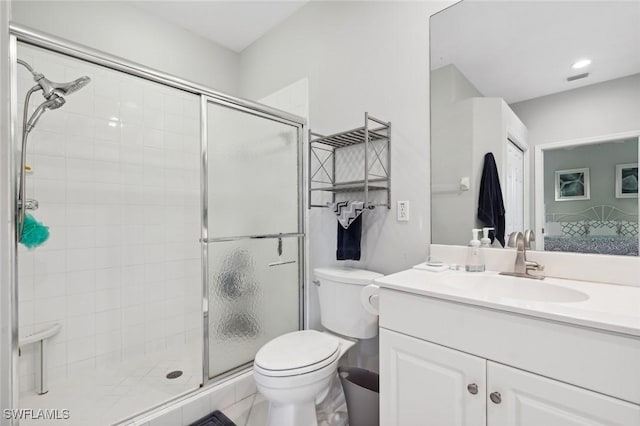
(403, 211)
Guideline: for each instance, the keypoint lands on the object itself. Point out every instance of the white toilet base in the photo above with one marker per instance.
(300, 413)
(292, 398)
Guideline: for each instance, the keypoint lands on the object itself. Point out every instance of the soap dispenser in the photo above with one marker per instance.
(475, 255)
(486, 241)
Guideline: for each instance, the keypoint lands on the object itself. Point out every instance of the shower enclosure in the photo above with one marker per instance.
(253, 232)
(176, 243)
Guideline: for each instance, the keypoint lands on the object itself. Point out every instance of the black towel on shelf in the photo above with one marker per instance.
(349, 240)
(217, 418)
(490, 205)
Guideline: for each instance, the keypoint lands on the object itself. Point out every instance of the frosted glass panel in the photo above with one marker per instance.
(250, 302)
(253, 189)
(253, 174)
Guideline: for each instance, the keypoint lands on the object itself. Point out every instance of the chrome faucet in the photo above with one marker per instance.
(522, 265)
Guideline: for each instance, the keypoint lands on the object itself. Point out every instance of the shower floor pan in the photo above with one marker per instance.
(104, 396)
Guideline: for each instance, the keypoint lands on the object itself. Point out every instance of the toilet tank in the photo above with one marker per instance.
(341, 309)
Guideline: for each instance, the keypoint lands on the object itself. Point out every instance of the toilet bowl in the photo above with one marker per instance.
(295, 370)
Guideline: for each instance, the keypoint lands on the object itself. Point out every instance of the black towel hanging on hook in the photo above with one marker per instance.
(490, 205)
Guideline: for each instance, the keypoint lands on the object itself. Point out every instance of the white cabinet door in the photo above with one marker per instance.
(426, 384)
(531, 400)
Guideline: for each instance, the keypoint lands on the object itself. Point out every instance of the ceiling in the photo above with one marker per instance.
(524, 49)
(232, 24)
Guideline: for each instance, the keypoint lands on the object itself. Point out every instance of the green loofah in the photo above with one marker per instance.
(34, 233)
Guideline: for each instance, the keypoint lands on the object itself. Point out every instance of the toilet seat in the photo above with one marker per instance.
(297, 353)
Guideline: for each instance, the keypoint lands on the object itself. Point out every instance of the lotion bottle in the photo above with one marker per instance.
(486, 241)
(475, 255)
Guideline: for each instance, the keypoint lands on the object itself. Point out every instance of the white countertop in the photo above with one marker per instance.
(604, 306)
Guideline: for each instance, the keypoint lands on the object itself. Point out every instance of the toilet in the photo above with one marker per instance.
(295, 370)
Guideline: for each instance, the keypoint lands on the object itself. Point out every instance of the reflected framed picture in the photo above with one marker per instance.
(572, 185)
(627, 180)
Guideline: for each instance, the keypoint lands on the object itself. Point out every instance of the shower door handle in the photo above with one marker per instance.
(280, 261)
(252, 237)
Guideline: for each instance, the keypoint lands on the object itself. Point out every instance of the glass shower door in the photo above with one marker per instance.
(254, 233)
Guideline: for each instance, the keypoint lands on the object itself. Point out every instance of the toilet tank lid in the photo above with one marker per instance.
(347, 275)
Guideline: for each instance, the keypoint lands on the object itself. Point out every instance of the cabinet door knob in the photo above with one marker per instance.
(495, 397)
(472, 388)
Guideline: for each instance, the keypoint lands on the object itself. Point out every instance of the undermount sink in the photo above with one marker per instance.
(499, 286)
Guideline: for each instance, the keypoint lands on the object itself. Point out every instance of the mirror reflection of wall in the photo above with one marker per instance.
(465, 126)
(518, 57)
(605, 222)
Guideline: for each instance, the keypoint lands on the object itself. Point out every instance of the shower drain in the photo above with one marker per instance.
(174, 374)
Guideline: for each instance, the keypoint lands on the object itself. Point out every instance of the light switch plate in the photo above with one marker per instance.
(403, 211)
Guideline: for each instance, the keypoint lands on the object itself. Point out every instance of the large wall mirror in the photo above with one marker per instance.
(552, 91)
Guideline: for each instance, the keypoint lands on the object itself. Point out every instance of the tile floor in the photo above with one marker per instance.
(251, 411)
(106, 395)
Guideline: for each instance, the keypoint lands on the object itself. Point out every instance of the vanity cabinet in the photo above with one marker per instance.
(527, 399)
(422, 383)
(445, 363)
(427, 384)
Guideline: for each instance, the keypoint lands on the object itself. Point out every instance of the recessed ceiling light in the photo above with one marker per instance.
(581, 64)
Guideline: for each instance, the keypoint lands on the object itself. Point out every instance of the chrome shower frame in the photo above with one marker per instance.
(55, 44)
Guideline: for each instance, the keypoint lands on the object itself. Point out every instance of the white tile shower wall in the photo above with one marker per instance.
(116, 172)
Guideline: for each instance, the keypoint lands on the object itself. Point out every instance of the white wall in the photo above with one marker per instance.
(453, 213)
(116, 171)
(464, 127)
(359, 56)
(448, 86)
(599, 109)
(120, 29)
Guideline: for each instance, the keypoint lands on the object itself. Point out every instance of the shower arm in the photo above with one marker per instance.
(26, 65)
(23, 159)
(36, 75)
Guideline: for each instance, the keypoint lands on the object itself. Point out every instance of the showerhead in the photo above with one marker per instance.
(76, 84)
(54, 102)
(50, 88)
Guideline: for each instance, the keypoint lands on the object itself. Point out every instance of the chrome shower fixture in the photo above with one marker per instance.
(54, 102)
(51, 88)
(53, 93)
